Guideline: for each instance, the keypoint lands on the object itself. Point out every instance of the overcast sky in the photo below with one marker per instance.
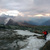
(28, 7)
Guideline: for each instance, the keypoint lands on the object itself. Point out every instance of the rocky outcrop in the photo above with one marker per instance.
(46, 46)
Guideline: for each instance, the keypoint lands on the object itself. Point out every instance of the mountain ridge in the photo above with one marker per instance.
(19, 20)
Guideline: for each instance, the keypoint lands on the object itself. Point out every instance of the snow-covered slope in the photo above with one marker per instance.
(33, 42)
(26, 32)
(16, 40)
(48, 37)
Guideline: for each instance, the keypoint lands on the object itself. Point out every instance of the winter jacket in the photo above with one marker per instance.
(45, 32)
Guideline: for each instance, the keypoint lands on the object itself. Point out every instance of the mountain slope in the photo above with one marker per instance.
(23, 23)
(32, 23)
(11, 22)
(46, 23)
(2, 19)
(19, 20)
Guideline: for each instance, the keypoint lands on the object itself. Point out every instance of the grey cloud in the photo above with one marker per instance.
(42, 2)
(16, 4)
(32, 6)
(43, 5)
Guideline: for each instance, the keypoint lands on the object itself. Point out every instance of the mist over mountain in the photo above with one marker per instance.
(47, 23)
(6, 16)
(2, 19)
(19, 20)
(39, 21)
(12, 22)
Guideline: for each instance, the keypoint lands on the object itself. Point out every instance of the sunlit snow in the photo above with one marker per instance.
(33, 42)
(26, 32)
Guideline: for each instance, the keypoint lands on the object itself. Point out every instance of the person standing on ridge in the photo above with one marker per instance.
(45, 34)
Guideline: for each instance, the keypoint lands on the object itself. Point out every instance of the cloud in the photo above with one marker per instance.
(42, 5)
(16, 4)
(28, 7)
(14, 13)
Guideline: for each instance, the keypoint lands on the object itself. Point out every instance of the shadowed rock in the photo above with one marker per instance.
(40, 37)
(46, 46)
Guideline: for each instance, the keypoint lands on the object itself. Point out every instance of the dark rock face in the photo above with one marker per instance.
(46, 46)
(11, 22)
(40, 37)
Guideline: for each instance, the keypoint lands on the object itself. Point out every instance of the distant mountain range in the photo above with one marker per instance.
(46, 23)
(11, 20)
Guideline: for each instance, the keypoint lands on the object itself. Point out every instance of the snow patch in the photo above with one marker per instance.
(6, 21)
(13, 44)
(26, 32)
(34, 43)
(22, 44)
(48, 37)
